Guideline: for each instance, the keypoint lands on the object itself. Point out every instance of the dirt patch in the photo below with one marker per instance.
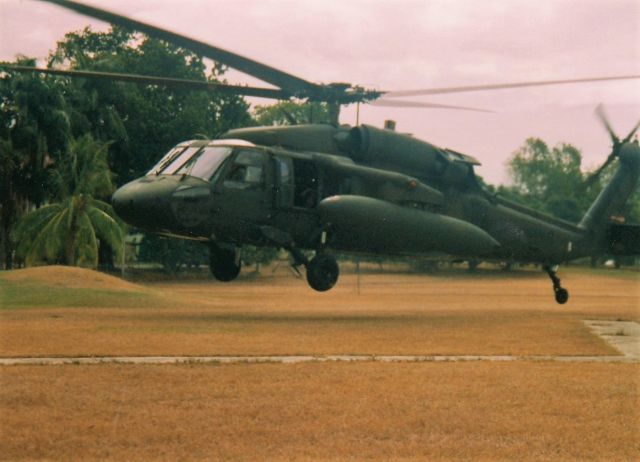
(68, 277)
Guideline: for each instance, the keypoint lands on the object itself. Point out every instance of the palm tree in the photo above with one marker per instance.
(69, 230)
(34, 132)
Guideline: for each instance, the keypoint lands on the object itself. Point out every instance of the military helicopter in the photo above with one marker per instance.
(335, 188)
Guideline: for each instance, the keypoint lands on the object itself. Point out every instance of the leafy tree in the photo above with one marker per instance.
(68, 231)
(40, 114)
(34, 133)
(549, 179)
(142, 121)
(9, 177)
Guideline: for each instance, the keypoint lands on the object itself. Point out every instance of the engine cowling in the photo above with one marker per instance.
(388, 149)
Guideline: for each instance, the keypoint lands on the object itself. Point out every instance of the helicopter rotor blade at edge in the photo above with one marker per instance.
(289, 83)
(603, 118)
(272, 93)
(419, 104)
(502, 86)
(631, 133)
(293, 86)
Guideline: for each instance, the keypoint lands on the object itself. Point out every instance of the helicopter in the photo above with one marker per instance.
(333, 188)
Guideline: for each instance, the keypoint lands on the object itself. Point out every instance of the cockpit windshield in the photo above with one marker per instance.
(173, 160)
(205, 162)
(178, 161)
(166, 160)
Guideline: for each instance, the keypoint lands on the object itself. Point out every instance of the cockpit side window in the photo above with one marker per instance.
(247, 169)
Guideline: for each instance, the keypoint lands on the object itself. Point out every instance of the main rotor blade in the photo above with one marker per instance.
(290, 83)
(417, 104)
(502, 86)
(151, 80)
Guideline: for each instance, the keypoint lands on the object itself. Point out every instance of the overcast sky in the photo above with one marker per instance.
(398, 45)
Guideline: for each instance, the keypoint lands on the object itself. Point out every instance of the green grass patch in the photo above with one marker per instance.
(20, 295)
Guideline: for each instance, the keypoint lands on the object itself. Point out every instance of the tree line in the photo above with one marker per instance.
(66, 144)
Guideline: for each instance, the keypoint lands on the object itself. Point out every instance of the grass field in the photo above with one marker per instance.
(317, 411)
(346, 411)
(393, 314)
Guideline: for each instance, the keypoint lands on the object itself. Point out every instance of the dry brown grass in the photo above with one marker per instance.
(317, 411)
(68, 277)
(321, 411)
(491, 313)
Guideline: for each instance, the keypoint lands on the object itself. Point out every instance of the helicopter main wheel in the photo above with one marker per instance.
(224, 264)
(322, 272)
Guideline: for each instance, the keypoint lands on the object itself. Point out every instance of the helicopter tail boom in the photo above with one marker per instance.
(597, 221)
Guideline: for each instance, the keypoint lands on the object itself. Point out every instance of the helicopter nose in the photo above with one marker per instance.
(145, 203)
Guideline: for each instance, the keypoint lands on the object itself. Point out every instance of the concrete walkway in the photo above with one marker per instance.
(622, 335)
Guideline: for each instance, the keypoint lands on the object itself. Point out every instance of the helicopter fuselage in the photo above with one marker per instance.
(237, 192)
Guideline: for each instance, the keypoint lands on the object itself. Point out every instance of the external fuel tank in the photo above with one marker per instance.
(359, 223)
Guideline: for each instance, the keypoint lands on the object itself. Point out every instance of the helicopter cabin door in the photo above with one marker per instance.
(245, 196)
(305, 175)
(296, 197)
(296, 183)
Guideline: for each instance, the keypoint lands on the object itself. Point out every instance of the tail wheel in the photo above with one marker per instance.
(224, 264)
(322, 272)
(562, 295)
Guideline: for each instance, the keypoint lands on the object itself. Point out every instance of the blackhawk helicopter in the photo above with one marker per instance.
(335, 188)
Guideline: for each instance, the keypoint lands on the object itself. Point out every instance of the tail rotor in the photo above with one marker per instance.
(617, 144)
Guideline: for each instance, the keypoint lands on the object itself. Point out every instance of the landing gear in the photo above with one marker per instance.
(561, 294)
(322, 272)
(224, 263)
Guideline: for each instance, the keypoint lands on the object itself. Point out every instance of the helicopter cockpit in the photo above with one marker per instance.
(200, 159)
(183, 178)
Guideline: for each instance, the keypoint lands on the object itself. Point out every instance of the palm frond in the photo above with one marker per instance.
(90, 167)
(106, 228)
(30, 226)
(86, 242)
(70, 229)
(108, 209)
(54, 241)
(45, 244)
